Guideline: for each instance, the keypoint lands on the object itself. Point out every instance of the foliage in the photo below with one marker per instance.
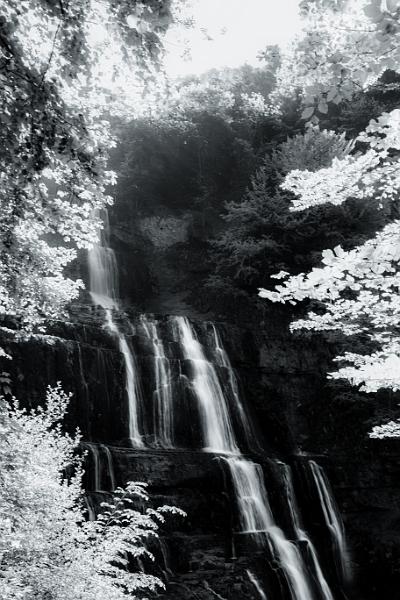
(198, 145)
(238, 96)
(357, 289)
(263, 235)
(63, 67)
(391, 429)
(373, 173)
(345, 46)
(47, 549)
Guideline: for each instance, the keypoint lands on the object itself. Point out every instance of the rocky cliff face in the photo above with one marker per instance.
(283, 388)
(296, 416)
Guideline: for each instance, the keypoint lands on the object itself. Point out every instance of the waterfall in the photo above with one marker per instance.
(256, 518)
(131, 382)
(251, 495)
(96, 451)
(95, 456)
(255, 513)
(301, 534)
(89, 507)
(165, 557)
(104, 291)
(110, 466)
(163, 401)
(103, 270)
(256, 584)
(215, 398)
(223, 361)
(333, 520)
(215, 420)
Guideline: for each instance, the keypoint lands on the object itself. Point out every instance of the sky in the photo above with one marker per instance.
(239, 30)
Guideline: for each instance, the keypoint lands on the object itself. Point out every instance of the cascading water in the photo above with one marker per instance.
(301, 534)
(131, 383)
(218, 435)
(90, 508)
(333, 521)
(255, 514)
(251, 495)
(95, 456)
(110, 466)
(96, 451)
(103, 270)
(223, 361)
(214, 413)
(163, 401)
(256, 584)
(256, 518)
(104, 291)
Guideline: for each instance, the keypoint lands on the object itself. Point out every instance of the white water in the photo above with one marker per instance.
(256, 518)
(103, 271)
(163, 401)
(94, 452)
(104, 292)
(110, 466)
(90, 509)
(214, 414)
(165, 556)
(131, 382)
(248, 480)
(333, 520)
(301, 534)
(223, 360)
(256, 584)
(255, 512)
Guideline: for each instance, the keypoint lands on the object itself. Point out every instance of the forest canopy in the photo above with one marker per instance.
(65, 67)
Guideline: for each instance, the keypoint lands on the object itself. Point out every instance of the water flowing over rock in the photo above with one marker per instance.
(171, 400)
(216, 423)
(257, 519)
(110, 467)
(333, 520)
(256, 584)
(101, 465)
(302, 535)
(163, 413)
(201, 370)
(95, 457)
(222, 359)
(104, 290)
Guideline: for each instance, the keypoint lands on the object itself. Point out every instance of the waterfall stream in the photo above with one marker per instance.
(104, 291)
(110, 466)
(333, 520)
(96, 451)
(257, 519)
(214, 412)
(95, 457)
(90, 509)
(222, 359)
(255, 513)
(302, 535)
(163, 402)
(131, 382)
(221, 412)
(103, 270)
(256, 584)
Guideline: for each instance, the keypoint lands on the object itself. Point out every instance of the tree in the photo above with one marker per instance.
(263, 235)
(64, 67)
(47, 548)
(356, 290)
